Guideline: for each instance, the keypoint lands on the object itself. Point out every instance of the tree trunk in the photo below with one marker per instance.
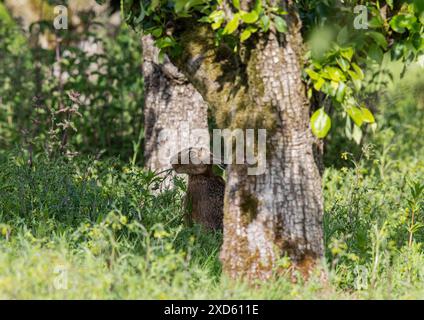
(175, 113)
(279, 212)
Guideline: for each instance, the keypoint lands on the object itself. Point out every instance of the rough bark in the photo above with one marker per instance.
(171, 104)
(280, 212)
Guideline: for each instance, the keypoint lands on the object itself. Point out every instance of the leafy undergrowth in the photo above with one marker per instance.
(97, 230)
(86, 229)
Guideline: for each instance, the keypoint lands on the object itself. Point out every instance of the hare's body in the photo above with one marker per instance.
(205, 191)
(205, 200)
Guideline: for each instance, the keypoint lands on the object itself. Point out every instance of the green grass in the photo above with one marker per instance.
(90, 229)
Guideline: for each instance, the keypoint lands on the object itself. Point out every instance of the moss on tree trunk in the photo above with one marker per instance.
(280, 212)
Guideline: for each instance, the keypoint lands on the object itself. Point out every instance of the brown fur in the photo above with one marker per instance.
(205, 191)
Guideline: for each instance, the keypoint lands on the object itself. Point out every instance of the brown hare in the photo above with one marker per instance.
(204, 200)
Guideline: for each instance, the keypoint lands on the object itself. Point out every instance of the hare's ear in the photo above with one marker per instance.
(182, 157)
(218, 160)
(193, 153)
(204, 155)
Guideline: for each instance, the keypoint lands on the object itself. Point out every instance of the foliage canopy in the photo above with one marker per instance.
(347, 41)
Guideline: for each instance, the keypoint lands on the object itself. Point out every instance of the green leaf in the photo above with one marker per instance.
(157, 32)
(282, 12)
(161, 57)
(166, 42)
(319, 83)
(280, 24)
(155, 4)
(347, 53)
(397, 51)
(343, 36)
(379, 38)
(419, 6)
(183, 7)
(358, 71)
(320, 123)
(278, 10)
(250, 17)
(216, 25)
(265, 23)
(396, 25)
(179, 5)
(217, 15)
(312, 74)
(236, 4)
(248, 32)
(376, 54)
(354, 75)
(232, 25)
(355, 114)
(341, 91)
(343, 63)
(205, 19)
(348, 128)
(367, 116)
(357, 134)
(376, 22)
(332, 89)
(245, 35)
(418, 41)
(402, 22)
(357, 82)
(333, 73)
(258, 6)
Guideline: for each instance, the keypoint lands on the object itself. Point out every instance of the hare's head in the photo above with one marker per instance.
(193, 161)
